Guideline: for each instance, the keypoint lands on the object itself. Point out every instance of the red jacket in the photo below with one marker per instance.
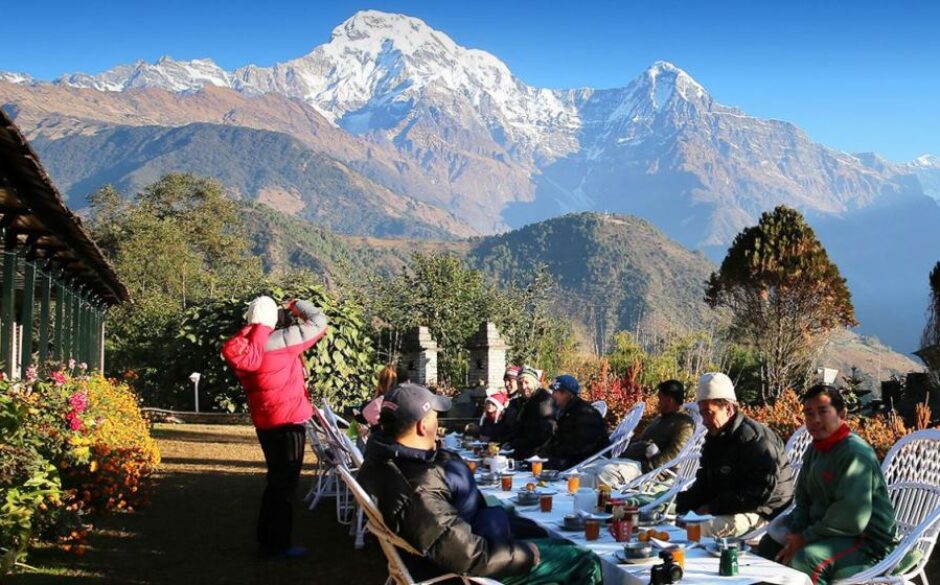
(268, 364)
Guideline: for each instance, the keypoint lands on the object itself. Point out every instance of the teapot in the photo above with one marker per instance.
(500, 463)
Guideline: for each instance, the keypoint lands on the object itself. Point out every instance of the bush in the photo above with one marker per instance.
(342, 365)
(72, 446)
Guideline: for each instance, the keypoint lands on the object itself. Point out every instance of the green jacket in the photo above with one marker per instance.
(842, 492)
(670, 432)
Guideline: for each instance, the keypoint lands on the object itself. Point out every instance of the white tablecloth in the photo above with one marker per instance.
(700, 567)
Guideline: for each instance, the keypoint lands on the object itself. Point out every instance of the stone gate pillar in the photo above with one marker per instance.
(487, 356)
(419, 356)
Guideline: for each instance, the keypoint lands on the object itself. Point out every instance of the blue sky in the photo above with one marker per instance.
(857, 76)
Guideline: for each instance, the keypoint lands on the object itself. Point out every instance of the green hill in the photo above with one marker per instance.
(254, 165)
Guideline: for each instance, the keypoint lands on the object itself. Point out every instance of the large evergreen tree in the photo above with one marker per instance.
(931, 336)
(785, 296)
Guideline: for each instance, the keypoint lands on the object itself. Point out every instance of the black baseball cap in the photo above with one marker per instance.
(412, 402)
(673, 388)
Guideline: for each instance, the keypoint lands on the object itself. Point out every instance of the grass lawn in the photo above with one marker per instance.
(199, 527)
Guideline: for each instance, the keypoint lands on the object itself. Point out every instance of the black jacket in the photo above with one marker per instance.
(580, 433)
(508, 427)
(536, 425)
(415, 501)
(743, 469)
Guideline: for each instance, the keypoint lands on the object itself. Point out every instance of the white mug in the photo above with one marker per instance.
(499, 463)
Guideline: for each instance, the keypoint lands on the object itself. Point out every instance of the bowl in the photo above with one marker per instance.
(487, 477)
(573, 522)
(527, 497)
(549, 475)
(637, 550)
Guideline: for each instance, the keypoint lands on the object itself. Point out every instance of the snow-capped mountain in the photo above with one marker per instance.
(412, 110)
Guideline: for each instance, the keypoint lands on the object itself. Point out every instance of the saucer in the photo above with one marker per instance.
(622, 558)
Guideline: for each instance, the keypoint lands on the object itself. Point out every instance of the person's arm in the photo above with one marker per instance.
(695, 496)
(302, 336)
(754, 482)
(542, 429)
(850, 513)
(799, 518)
(244, 351)
(435, 529)
(671, 445)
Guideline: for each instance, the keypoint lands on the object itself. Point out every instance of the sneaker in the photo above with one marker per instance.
(294, 552)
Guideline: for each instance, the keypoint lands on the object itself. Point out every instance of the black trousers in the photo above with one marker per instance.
(283, 448)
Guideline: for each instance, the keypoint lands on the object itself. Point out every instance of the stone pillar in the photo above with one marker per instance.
(487, 357)
(419, 356)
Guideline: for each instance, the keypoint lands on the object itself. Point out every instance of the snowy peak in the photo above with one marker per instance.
(13, 77)
(926, 161)
(664, 80)
(166, 73)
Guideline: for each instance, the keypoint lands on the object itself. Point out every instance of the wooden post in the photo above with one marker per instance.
(26, 313)
(45, 298)
(8, 308)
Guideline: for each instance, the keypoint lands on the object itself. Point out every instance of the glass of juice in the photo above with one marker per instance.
(693, 531)
(536, 468)
(592, 529)
(574, 482)
(545, 502)
(506, 482)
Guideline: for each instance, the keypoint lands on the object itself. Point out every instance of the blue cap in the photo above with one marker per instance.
(566, 382)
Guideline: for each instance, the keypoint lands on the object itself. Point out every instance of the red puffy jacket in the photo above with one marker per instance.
(267, 362)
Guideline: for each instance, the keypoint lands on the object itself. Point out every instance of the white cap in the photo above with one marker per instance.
(715, 386)
(262, 310)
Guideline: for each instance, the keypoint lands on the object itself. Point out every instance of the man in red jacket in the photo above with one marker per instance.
(267, 362)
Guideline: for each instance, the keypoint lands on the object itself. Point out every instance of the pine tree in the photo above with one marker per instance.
(785, 296)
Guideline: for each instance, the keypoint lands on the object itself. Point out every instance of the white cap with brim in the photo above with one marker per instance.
(715, 386)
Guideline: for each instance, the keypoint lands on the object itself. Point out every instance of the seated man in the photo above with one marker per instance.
(580, 430)
(660, 442)
(416, 489)
(536, 423)
(744, 478)
(843, 521)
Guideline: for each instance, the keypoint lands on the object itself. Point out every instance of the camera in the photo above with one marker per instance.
(668, 572)
(285, 319)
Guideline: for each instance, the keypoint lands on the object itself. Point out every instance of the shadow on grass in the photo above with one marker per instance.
(199, 528)
(175, 434)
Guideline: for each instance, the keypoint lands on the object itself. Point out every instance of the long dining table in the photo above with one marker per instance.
(700, 566)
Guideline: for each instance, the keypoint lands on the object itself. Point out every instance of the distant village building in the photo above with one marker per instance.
(55, 284)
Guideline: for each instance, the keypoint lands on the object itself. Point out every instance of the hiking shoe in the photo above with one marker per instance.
(294, 552)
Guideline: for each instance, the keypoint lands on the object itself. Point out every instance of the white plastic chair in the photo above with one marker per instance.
(601, 407)
(390, 542)
(691, 409)
(345, 452)
(912, 472)
(621, 436)
(681, 471)
(324, 482)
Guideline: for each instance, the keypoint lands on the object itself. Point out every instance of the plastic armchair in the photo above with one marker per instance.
(390, 542)
(620, 438)
(601, 407)
(683, 465)
(912, 472)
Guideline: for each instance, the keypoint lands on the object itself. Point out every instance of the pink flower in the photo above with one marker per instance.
(71, 363)
(78, 402)
(75, 423)
(31, 374)
(82, 367)
(58, 377)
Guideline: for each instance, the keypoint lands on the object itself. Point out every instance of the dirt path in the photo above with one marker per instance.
(199, 527)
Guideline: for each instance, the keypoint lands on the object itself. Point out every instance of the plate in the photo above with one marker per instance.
(515, 500)
(622, 558)
(567, 528)
(551, 477)
(713, 550)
